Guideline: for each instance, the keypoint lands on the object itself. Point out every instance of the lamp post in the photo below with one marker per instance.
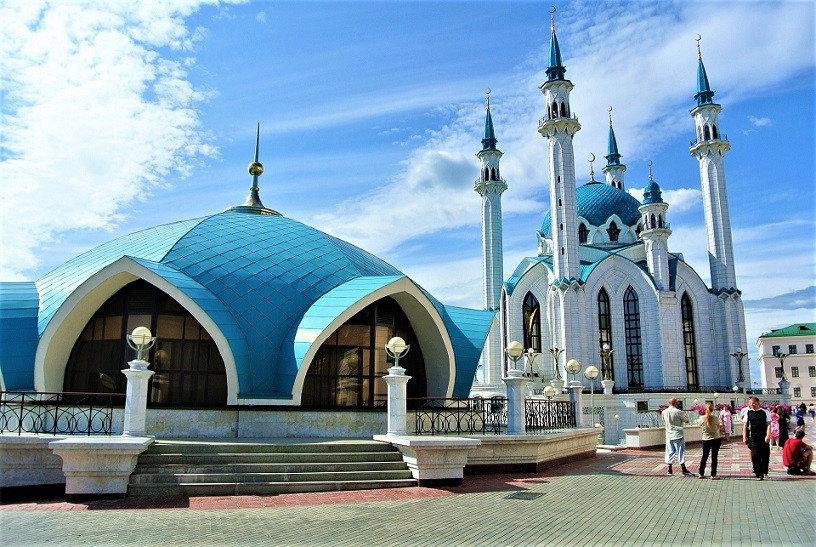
(514, 350)
(140, 340)
(549, 392)
(739, 355)
(591, 373)
(138, 377)
(556, 352)
(531, 357)
(397, 388)
(782, 357)
(573, 367)
(735, 389)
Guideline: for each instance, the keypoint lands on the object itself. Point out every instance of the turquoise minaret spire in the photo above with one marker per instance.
(555, 68)
(704, 94)
(489, 141)
(614, 168)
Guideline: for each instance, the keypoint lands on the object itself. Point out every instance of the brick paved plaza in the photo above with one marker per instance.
(617, 498)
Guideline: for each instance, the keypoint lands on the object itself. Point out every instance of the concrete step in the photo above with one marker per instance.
(203, 458)
(282, 446)
(261, 488)
(286, 467)
(226, 478)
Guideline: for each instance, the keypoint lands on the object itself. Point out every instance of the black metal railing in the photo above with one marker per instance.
(547, 415)
(445, 416)
(58, 413)
(762, 391)
(723, 390)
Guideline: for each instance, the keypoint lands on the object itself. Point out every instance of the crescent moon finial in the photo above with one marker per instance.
(610, 115)
(592, 168)
(552, 19)
(593, 157)
(488, 97)
(699, 54)
(650, 169)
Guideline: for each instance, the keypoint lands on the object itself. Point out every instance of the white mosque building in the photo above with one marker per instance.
(603, 279)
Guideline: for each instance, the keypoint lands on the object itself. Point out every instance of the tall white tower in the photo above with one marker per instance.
(710, 149)
(490, 185)
(614, 169)
(559, 127)
(656, 232)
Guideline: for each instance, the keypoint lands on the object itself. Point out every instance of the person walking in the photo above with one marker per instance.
(674, 419)
(756, 434)
(712, 437)
(775, 428)
(725, 420)
(784, 425)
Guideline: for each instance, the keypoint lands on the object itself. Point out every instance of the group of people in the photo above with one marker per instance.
(760, 428)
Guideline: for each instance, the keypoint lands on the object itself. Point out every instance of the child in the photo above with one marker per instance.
(775, 427)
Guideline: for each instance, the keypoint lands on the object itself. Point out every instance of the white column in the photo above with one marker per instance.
(516, 416)
(136, 398)
(397, 400)
(577, 397)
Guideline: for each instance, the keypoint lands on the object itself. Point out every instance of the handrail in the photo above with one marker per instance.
(58, 413)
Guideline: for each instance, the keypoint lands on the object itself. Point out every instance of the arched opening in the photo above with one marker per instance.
(652, 221)
(714, 132)
(486, 175)
(189, 369)
(634, 347)
(689, 351)
(706, 135)
(555, 109)
(531, 312)
(660, 222)
(347, 370)
(605, 333)
(493, 174)
(583, 233)
(563, 110)
(613, 232)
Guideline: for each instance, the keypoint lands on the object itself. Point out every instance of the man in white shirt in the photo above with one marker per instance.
(674, 419)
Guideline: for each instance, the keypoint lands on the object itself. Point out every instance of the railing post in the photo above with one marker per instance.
(516, 380)
(397, 400)
(576, 396)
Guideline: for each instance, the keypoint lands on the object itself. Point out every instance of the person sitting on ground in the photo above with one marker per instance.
(798, 455)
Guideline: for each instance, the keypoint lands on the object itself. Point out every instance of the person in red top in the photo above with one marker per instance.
(798, 455)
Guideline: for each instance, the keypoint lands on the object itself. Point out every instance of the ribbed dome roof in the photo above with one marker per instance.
(596, 202)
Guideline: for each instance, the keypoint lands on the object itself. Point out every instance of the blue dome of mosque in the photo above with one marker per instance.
(596, 202)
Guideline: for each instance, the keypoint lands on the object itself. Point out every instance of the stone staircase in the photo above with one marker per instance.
(227, 467)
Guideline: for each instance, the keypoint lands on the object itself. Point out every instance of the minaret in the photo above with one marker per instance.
(656, 232)
(490, 186)
(614, 168)
(710, 150)
(559, 127)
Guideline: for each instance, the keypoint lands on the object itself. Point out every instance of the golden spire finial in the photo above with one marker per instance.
(552, 20)
(699, 53)
(650, 170)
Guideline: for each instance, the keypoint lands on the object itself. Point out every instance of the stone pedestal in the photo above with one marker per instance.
(136, 398)
(397, 404)
(576, 396)
(434, 461)
(607, 386)
(784, 392)
(558, 385)
(516, 417)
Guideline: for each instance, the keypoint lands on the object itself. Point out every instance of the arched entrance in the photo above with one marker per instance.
(347, 369)
(189, 368)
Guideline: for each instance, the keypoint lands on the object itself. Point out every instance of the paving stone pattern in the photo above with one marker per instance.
(618, 498)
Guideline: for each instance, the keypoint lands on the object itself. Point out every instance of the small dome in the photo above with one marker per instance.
(652, 193)
(597, 202)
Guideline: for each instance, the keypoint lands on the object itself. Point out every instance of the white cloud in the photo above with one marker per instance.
(759, 122)
(261, 17)
(91, 108)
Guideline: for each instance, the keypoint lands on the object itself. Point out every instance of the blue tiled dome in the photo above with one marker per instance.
(652, 193)
(597, 202)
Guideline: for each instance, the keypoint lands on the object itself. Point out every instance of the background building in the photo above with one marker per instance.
(793, 346)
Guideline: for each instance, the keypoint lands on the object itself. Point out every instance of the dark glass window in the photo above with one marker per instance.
(643, 406)
(583, 233)
(808, 348)
(634, 347)
(797, 392)
(531, 312)
(813, 392)
(348, 368)
(613, 232)
(792, 349)
(189, 370)
(795, 372)
(689, 350)
(778, 372)
(775, 350)
(812, 372)
(605, 333)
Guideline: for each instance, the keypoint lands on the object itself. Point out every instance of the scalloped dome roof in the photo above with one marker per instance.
(596, 202)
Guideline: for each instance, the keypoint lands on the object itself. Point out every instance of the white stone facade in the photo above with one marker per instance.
(800, 363)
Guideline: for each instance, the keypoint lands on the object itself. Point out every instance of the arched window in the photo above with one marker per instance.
(549, 112)
(583, 233)
(714, 132)
(652, 221)
(493, 174)
(348, 368)
(634, 347)
(563, 110)
(613, 232)
(189, 370)
(531, 312)
(706, 135)
(486, 174)
(660, 223)
(555, 109)
(605, 332)
(689, 351)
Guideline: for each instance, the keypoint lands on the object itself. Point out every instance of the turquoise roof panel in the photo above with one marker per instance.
(524, 266)
(468, 329)
(596, 202)
(19, 306)
(231, 252)
(152, 244)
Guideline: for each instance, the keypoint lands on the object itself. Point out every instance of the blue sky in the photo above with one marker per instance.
(117, 116)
